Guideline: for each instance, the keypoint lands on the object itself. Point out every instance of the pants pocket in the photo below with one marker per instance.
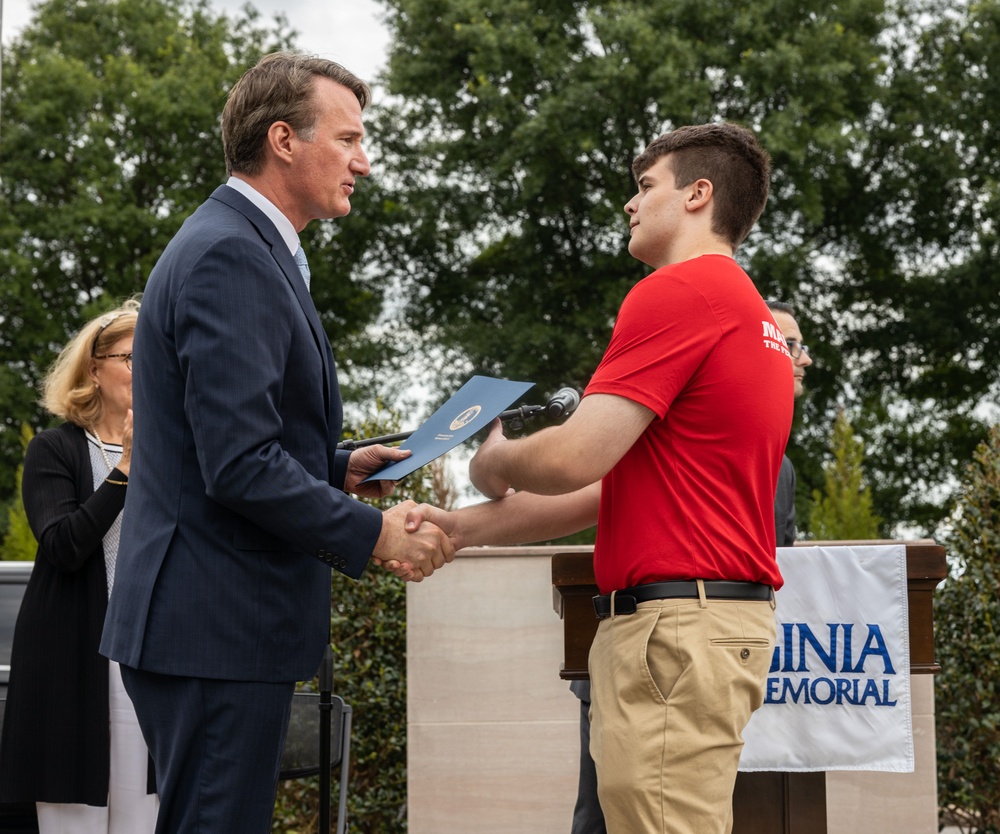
(746, 649)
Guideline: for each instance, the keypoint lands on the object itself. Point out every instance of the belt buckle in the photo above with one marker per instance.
(625, 604)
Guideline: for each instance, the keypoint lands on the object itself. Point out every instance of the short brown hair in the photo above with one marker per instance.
(279, 88)
(727, 155)
(68, 391)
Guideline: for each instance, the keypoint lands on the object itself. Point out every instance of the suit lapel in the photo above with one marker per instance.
(286, 263)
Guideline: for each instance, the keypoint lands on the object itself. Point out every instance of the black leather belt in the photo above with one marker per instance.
(627, 599)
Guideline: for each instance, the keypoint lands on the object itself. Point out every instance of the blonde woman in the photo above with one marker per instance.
(71, 743)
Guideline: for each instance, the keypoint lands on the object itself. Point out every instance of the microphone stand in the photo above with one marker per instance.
(514, 417)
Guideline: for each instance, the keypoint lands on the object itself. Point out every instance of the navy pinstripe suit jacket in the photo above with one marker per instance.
(235, 483)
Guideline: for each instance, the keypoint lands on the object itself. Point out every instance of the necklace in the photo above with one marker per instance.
(104, 454)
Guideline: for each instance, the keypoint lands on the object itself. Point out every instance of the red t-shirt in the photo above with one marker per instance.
(694, 496)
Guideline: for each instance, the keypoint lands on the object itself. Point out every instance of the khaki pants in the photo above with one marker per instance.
(672, 686)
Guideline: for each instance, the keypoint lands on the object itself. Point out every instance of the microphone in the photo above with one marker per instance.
(562, 403)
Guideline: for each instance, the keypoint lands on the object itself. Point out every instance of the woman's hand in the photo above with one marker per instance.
(125, 463)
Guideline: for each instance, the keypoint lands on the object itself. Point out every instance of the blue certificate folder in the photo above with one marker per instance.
(470, 408)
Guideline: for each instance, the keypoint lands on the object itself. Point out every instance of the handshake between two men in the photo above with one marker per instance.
(417, 539)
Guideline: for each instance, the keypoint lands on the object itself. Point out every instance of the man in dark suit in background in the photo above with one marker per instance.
(784, 499)
(239, 505)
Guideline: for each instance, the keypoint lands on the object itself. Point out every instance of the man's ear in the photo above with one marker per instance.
(280, 141)
(699, 194)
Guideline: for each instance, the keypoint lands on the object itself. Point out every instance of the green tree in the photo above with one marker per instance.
(110, 129)
(843, 511)
(19, 542)
(967, 625)
(918, 306)
(505, 150)
(510, 146)
(111, 138)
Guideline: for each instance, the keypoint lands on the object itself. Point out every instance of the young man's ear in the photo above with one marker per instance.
(699, 193)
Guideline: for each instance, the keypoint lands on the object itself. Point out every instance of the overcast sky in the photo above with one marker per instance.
(347, 31)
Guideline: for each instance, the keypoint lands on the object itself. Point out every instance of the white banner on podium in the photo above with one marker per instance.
(838, 693)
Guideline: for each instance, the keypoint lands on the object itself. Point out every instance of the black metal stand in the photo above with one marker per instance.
(325, 710)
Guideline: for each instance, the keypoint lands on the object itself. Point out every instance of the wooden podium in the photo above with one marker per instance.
(763, 803)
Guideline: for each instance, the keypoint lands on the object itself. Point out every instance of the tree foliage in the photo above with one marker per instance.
(506, 144)
(19, 542)
(967, 617)
(111, 138)
(843, 510)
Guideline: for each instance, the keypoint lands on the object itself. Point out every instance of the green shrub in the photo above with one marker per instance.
(18, 541)
(368, 626)
(967, 623)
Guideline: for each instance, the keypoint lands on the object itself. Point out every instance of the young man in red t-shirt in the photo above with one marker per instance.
(674, 452)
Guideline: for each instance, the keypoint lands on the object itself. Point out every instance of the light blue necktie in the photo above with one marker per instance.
(303, 264)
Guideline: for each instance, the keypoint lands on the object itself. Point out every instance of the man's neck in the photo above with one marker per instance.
(266, 187)
(694, 250)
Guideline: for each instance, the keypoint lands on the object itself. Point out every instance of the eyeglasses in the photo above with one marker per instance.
(125, 357)
(796, 348)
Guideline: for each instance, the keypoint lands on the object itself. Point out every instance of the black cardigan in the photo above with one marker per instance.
(55, 744)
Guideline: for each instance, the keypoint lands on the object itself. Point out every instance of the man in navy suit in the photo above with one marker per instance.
(237, 506)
